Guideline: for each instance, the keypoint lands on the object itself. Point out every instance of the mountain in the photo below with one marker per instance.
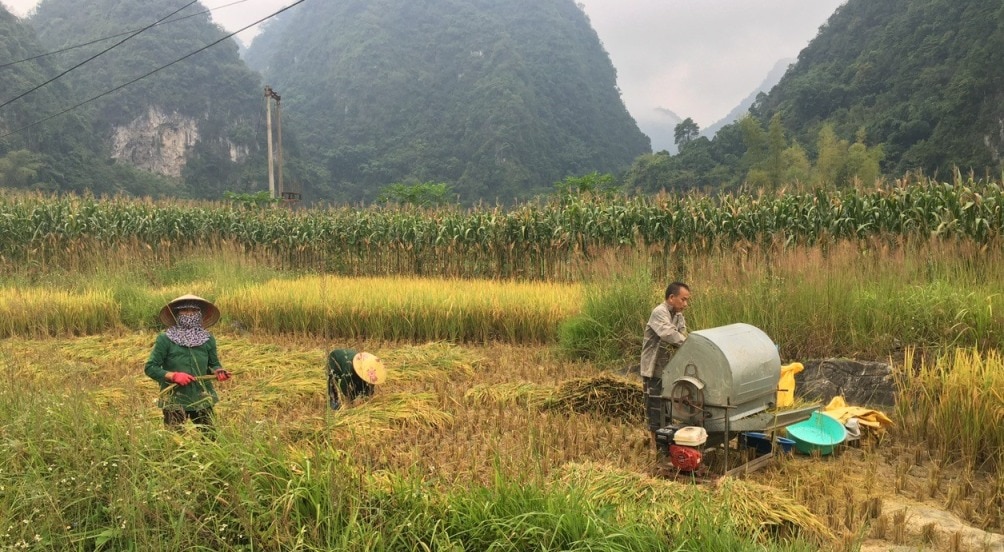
(925, 79)
(42, 148)
(660, 127)
(195, 121)
(20, 48)
(739, 111)
(499, 99)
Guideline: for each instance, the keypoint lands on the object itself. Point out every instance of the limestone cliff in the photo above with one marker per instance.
(176, 114)
(160, 142)
(157, 142)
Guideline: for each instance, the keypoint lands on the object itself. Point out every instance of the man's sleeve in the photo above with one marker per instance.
(662, 324)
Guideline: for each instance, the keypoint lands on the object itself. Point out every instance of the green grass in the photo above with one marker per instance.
(616, 306)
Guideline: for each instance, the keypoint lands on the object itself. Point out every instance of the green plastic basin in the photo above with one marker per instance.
(819, 433)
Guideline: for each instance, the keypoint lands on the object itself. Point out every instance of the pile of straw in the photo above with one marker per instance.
(755, 510)
(389, 411)
(604, 395)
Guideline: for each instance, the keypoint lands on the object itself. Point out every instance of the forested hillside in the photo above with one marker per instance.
(38, 151)
(885, 88)
(498, 99)
(195, 120)
(484, 99)
(21, 73)
(923, 78)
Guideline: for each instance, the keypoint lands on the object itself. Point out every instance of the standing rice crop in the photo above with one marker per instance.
(43, 312)
(402, 309)
(955, 404)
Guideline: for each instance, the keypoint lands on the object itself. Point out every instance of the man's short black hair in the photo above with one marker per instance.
(675, 287)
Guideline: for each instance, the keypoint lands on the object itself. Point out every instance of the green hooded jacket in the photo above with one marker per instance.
(168, 356)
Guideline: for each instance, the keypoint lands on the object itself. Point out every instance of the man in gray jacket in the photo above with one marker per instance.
(665, 332)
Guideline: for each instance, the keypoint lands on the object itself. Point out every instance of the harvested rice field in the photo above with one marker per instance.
(450, 419)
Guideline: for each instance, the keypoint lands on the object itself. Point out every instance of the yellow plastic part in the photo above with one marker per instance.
(786, 387)
(867, 417)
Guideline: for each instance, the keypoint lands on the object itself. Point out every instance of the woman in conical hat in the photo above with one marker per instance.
(352, 374)
(182, 357)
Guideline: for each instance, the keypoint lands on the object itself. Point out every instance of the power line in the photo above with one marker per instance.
(23, 94)
(109, 37)
(137, 79)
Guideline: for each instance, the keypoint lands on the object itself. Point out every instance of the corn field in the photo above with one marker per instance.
(544, 240)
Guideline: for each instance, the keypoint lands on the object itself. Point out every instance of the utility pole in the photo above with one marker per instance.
(278, 119)
(269, 96)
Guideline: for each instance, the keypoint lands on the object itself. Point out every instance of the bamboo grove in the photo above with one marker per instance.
(541, 240)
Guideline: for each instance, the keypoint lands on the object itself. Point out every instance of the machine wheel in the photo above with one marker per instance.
(687, 401)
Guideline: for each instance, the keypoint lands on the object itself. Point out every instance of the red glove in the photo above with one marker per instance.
(179, 378)
(221, 374)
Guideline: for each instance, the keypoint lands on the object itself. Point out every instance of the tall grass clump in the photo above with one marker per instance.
(101, 482)
(865, 299)
(506, 515)
(617, 300)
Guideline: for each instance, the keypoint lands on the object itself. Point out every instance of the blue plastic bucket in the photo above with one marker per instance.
(762, 443)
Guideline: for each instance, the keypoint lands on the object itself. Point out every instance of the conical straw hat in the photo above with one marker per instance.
(210, 314)
(369, 368)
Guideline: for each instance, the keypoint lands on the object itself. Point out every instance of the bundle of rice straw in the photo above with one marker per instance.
(392, 410)
(429, 362)
(605, 395)
(754, 510)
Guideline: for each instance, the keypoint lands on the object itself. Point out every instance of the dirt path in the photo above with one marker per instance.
(928, 528)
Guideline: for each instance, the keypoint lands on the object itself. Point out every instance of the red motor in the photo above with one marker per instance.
(685, 458)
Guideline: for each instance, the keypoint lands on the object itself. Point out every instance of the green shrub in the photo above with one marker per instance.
(613, 316)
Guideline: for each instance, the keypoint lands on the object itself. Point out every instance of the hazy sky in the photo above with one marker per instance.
(698, 58)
